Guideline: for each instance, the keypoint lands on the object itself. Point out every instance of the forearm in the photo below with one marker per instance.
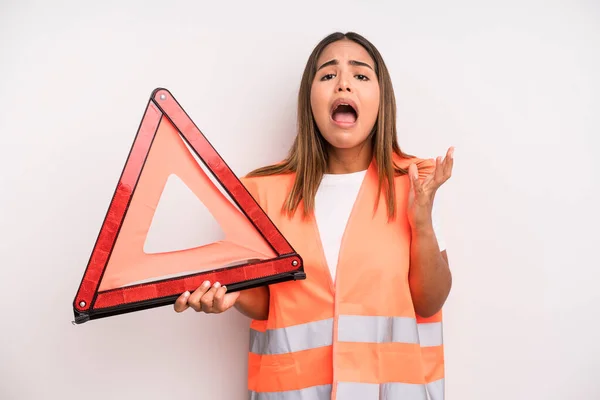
(254, 303)
(429, 277)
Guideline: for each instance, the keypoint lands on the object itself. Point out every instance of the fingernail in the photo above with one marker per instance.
(186, 294)
(217, 284)
(206, 283)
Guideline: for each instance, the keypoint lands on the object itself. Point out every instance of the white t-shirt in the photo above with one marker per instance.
(333, 203)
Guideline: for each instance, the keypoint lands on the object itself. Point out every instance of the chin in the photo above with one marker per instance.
(344, 139)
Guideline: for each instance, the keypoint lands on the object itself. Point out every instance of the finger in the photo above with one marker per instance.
(181, 302)
(218, 300)
(439, 170)
(230, 299)
(207, 299)
(194, 300)
(449, 163)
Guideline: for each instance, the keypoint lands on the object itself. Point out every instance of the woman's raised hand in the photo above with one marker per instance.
(422, 193)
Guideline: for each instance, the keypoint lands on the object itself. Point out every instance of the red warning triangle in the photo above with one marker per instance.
(121, 277)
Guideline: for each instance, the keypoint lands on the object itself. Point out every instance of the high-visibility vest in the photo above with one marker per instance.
(357, 338)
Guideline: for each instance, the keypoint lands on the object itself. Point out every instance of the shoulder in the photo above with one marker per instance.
(424, 165)
(262, 186)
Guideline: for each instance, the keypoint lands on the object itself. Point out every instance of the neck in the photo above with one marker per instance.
(345, 161)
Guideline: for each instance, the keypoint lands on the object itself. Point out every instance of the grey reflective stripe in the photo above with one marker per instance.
(436, 390)
(390, 391)
(384, 391)
(293, 338)
(351, 328)
(368, 329)
(430, 334)
(360, 391)
(359, 328)
(356, 391)
(404, 391)
(322, 392)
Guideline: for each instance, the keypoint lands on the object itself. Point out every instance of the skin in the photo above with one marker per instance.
(345, 70)
(429, 277)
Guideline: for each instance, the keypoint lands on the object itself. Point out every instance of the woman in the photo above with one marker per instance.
(366, 323)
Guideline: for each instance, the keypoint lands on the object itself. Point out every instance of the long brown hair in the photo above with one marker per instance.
(308, 154)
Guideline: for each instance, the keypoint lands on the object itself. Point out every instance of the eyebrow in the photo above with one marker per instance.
(351, 62)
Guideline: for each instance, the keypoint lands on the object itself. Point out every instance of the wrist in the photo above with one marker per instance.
(424, 228)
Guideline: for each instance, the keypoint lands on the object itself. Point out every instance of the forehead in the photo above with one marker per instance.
(344, 50)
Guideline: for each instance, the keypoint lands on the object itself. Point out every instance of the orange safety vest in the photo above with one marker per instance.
(355, 338)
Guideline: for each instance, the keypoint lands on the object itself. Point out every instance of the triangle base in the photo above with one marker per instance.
(81, 317)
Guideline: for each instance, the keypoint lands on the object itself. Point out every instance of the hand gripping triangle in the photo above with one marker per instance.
(121, 278)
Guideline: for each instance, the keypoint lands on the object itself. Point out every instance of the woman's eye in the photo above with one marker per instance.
(362, 77)
(327, 77)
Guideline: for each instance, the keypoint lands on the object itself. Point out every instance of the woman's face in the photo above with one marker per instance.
(345, 94)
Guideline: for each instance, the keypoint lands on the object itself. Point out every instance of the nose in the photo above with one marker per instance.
(343, 84)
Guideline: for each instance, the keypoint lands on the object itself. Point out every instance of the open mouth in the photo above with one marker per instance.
(344, 114)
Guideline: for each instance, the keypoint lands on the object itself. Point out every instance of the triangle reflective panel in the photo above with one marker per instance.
(129, 270)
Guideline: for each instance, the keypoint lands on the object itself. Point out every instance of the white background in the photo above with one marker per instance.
(513, 85)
